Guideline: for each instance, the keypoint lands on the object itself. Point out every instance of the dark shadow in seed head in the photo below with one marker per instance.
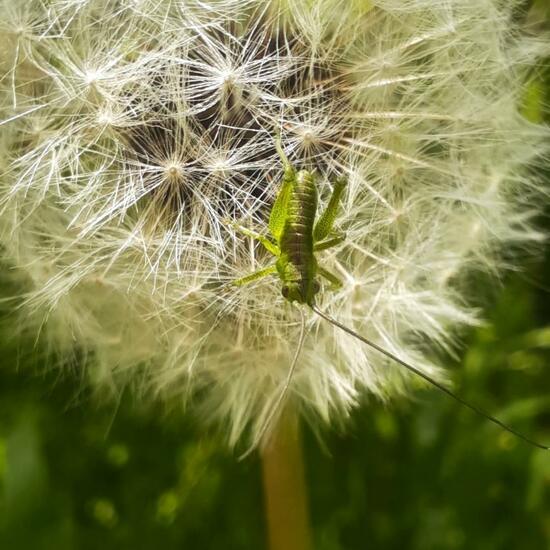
(237, 121)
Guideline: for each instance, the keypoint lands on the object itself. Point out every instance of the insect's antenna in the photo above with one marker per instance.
(276, 407)
(427, 378)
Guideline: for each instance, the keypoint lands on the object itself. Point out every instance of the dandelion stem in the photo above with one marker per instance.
(285, 488)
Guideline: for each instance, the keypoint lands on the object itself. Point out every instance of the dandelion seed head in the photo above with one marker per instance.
(134, 131)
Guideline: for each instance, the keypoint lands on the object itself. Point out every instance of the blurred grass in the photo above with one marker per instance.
(418, 475)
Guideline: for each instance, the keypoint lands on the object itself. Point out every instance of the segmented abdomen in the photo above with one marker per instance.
(297, 238)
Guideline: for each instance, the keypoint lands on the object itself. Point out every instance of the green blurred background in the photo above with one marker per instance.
(421, 474)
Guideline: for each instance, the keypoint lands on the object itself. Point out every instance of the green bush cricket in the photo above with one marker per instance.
(297, 235)
(295, 238)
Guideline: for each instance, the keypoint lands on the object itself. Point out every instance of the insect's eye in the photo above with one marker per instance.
(316, 287)
(285, 291)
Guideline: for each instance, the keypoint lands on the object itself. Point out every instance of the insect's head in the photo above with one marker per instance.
(302, 292)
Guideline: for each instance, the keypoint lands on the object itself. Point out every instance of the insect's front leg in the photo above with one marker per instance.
(268, 245)
(325, 223)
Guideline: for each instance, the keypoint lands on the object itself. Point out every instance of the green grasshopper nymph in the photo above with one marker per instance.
(295, 238)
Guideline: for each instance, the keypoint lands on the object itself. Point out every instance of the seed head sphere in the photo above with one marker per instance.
(133, 131)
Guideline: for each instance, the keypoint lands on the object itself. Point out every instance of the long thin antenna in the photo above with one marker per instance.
(427, 378)
(277, 405)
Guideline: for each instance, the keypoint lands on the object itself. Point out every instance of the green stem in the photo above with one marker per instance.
(285, 488)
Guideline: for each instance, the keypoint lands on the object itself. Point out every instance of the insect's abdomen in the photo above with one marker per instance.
(297, 239)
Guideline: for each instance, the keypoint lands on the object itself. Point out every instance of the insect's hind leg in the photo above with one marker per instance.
(255, 276)
(280, 150)
(325, 223)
